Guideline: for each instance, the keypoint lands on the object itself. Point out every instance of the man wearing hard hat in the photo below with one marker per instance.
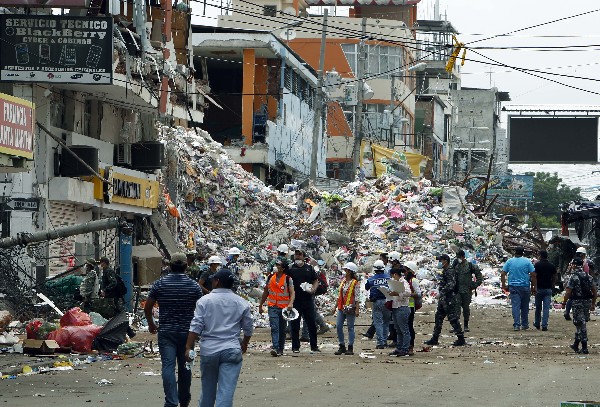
(588, 267)
(381, 315)
(205, 280)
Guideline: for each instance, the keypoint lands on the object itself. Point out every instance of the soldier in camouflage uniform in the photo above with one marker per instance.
(193, 270)
(90, 285)
(583, 292)
(447, 287)
(108, 287)
(466, 285)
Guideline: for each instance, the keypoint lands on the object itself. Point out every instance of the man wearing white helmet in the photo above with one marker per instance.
(588, 267)
(381, 315)
(205, 281)
(233, 255)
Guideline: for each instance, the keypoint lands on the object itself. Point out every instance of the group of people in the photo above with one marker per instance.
(101, 283)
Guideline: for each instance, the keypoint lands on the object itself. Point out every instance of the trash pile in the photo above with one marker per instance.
(225, 206)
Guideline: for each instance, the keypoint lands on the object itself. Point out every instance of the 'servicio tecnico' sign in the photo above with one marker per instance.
(56, 49)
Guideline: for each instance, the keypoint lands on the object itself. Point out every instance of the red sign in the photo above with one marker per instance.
(45, 3)
(16, 126)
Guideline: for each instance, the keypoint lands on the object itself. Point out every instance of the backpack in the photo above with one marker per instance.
(323, 284)
(586, 288)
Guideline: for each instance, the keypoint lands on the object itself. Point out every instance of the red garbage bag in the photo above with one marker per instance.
(78, 338)
(32, 328)
(75, 317)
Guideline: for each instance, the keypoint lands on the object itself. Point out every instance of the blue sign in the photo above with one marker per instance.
(506, 186)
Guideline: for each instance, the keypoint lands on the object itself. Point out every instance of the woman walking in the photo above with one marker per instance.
(347, 308)
(414, 302)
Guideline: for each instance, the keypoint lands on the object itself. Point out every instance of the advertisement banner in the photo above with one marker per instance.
(391, 161)
(17, 118)
(506, 186)
(56, 49)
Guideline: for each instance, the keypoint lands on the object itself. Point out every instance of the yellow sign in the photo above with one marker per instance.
(126, 189)
(385, 158)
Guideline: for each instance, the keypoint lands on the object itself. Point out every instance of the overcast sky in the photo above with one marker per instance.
(489, 17)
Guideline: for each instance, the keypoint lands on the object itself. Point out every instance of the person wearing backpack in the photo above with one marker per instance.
(467, 272)
(583, 292)
(279, 294)
(113, 286)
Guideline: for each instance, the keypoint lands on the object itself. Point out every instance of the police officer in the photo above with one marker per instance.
(447, 287)
(583, 292)
(465, 272)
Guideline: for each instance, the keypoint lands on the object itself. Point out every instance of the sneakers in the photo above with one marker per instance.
(396, 352)
(274, 353)
(516, 328)
(380, 347)
(544, 328)
(280, 353)
(402, 354)
(296, 350)
(315, 350)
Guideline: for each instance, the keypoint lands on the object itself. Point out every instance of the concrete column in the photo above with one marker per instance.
(249, 71)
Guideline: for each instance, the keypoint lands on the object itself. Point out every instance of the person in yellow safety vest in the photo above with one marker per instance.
(347, 308)
(279, 294)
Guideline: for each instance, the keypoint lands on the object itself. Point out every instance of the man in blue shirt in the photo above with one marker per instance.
(520, 273)
(217, 321)
(381, 315)
(176, 295)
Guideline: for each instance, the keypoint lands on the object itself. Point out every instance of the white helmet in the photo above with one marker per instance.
(350, 266)
(581, 250)
(379, 265)
(234, 251)
(214, 260)
(283, 248)
(394, 256)
(412, 266)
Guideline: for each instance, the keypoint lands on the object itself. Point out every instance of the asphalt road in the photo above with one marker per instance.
(499, 367)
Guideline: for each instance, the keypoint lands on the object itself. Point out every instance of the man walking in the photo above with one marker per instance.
(381, 315)
(110, 286)
(545, 278)
(218, 319)
(583, 292)
(519, 270)
(304, 274)
(176, 295)
(279, 294)
(465, 272)
(446, 307)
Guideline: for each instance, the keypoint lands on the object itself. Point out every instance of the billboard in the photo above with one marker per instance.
(17, 118)
(506, 186)
(44, 3)
(56, 49)
(552, 139)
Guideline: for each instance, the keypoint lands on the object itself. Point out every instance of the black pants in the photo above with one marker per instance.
(305, 310)
(411, 328)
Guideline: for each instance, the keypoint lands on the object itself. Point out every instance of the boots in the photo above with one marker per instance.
(575, 346)
(341, 350)
(433, 340)
(460, 341)
(584, 348)
(350, 350)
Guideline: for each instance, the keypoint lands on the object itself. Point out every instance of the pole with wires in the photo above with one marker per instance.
(318, 126)
(358, 119)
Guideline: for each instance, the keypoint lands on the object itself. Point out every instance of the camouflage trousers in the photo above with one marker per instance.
(446, 309)
(581, 314)
(463, 301)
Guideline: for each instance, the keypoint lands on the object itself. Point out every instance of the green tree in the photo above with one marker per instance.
(548, 194)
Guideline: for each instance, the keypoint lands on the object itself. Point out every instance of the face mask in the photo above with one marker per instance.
(460, 260)
(299, 263)
(551, 246)
(275, 269)
(439, 265)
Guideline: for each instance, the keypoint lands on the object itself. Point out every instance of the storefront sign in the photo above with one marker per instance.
(58, 49)
(126, 189)
(44, 3)
(17, 117)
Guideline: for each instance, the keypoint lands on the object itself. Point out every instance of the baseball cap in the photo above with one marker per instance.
(225, 276)
(178, 258)
(443, 257)
(104, 260)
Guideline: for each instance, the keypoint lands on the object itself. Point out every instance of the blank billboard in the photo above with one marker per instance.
(553, 139)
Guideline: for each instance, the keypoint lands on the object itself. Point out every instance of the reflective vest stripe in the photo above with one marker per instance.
(279, 292)
(349, 295)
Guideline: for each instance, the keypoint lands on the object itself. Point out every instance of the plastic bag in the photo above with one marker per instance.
(75, 317)
(45, 330)
(32, 328)
(78, 338)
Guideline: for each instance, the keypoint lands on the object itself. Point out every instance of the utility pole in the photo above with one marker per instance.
(358, 120)
(319, 125)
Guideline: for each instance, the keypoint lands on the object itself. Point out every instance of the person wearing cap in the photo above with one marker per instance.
(446, 307)
(205, 280)
(588, 267)
(89, 289)
(380, 314)
(414, 302)
(469, 278)
(347, 308)
(521, 275)
(400, 314)
(303, 273)
(218, 319)
(176, 295)
(545, 277)
(279, 294)
(108, 287)
(583, 292)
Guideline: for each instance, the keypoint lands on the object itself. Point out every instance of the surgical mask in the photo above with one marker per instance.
(460, 260)
(275, 269)
(299, 263)
(439, 265)
(551, 246)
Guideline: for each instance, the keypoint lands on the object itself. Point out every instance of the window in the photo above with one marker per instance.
(350, 51)
(270, 11)
(382, 60)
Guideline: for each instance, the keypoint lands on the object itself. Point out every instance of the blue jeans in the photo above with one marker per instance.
(381, 320)
(400, 316)
(220, 372)
(349, 318)
(519, 298)
(172, 350)
(543, 297)
(277, 328)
